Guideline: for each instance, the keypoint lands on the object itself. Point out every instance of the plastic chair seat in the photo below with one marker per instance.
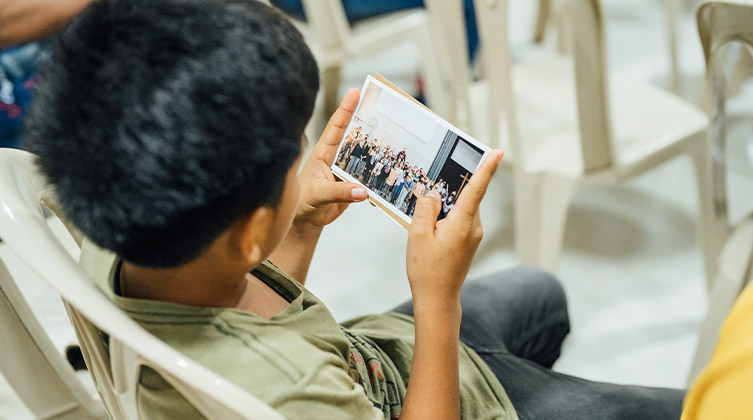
(647, 122)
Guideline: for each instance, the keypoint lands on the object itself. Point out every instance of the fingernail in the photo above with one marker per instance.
(358, 193)
(499, 156)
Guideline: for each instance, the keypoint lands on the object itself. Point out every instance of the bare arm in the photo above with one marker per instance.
(323, 198)
(438, 260)
(434, 386)
(30, 20)
(294, 254)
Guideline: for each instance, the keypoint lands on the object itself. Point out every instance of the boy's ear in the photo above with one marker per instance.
(253, 233)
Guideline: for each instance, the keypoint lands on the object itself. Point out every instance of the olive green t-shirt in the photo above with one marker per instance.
(301, 361)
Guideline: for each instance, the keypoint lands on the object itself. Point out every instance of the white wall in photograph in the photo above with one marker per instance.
(406, 116)
(405, 127)
(420, 153)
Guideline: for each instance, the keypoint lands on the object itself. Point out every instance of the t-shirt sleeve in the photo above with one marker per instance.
(328, 393)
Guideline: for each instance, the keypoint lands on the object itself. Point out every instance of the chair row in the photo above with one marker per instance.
(115, 366)
(562, 120)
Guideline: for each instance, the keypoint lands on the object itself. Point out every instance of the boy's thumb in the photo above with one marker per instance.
(427, 211)
(342, 192)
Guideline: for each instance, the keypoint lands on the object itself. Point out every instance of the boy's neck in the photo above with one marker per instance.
(196, 283)
(204, 284)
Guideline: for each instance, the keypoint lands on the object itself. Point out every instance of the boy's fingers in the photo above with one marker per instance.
(426, 213)
(336, 126)
(341, 192)
(474, 192)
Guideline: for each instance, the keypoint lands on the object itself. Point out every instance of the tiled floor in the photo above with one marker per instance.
(630, 265)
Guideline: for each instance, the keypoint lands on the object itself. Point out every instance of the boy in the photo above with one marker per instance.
(182, 162)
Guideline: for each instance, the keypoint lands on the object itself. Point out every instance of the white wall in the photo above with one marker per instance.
(405, 127)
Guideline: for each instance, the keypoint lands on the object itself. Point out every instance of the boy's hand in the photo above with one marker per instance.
(440, 253)
(323, 198)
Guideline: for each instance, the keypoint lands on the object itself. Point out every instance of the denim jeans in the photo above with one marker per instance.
(353, 165)
(516, 321)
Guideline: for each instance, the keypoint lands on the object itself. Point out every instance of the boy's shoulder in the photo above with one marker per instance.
(278, 360)
(221, 338)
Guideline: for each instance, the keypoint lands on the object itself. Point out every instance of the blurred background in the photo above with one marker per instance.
(591, 101)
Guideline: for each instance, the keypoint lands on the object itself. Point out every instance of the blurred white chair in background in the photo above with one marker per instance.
(37, 372)
(334, 41)
(721, 23)
(672, 13)
(566, 124)
(115, 367)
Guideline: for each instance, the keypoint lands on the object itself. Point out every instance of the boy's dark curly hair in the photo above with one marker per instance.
(161, 122)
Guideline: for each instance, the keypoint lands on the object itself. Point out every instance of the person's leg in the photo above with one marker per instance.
(411, 203)
(516, 321)
(396, 195)
(351, 165)
(539, 393)
(522, 311)
(361, 165)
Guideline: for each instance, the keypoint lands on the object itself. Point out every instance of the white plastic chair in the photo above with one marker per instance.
(719, 24)
(37, 372)
(672, 14)
(566, 124)
(115, 372)
(333, 41)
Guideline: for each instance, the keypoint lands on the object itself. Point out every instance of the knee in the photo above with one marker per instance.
(546, 285)
(528, 284)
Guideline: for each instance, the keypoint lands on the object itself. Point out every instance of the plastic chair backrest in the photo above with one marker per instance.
(446, 20)
(328, 23)
(492, 17)
(115, 373)
(592, 82)
(31, 364)
(719, 24)
(586, 33)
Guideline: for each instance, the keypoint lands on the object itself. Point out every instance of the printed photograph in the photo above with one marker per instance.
(400, 151)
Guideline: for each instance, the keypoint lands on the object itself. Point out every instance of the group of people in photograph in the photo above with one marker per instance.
(389, 174)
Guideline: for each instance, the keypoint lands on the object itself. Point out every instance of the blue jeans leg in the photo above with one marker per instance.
(516, 321)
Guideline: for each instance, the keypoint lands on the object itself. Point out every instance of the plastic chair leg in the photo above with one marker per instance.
(742, 72)
(710, 229)
(435, 96)
(672, 12)
(541, 205)
(541, 21)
